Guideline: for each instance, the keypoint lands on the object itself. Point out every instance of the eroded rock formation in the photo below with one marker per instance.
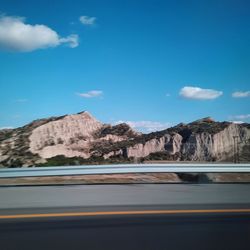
(80, 138)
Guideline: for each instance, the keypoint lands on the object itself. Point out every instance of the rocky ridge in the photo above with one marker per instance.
(81, 139)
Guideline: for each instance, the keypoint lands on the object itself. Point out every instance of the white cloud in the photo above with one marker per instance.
(146, 126)
(7, 127)
(91, 94)
(199, 93)
(87, 20)
(71, 40)
(237, 122)
(240, 117)
(241, 94)
(16, 35)
(167, 94)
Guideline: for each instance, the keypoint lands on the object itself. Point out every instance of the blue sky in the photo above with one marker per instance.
(152, 63)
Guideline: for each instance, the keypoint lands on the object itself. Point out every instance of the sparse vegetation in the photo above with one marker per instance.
(163, 156)
(61, 160)
(5, 134)
(122, 129)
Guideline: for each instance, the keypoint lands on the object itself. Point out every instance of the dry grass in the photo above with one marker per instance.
(129, 179)
(94, 179)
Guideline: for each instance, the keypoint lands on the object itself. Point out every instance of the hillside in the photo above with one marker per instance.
(81, 139)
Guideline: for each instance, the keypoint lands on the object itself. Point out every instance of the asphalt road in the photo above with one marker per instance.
(196, 217)
(84, 196)
(130, 232)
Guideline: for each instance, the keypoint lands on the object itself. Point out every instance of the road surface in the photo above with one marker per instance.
(162, 216)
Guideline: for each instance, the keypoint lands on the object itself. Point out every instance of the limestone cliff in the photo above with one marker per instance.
(81, 139)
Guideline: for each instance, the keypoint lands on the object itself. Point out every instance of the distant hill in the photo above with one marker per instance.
(81, 139)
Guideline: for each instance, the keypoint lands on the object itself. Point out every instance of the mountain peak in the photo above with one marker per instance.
(85, 115)
(205, 120)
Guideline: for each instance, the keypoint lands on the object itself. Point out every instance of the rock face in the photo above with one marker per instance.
(70, 136)
(165, 143)
(81, 139)
(206, 146)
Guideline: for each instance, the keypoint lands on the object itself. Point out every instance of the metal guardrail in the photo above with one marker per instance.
(124, 169)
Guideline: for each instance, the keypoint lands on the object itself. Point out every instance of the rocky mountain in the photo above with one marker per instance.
(81, 139)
